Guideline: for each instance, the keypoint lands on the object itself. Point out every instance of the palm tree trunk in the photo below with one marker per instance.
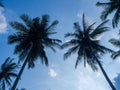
(21, 70)
(105, 75)
(19, 75)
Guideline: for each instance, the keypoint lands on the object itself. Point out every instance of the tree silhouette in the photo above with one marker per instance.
(85, 43)
(31, 39)
(8, 70)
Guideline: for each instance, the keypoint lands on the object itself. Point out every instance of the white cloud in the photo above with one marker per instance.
(89, 79)
(3, 22)
(52, 72)
(98, 74)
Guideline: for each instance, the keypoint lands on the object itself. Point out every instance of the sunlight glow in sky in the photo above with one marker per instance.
(60, 75)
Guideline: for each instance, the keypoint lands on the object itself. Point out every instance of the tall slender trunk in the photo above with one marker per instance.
(105, 75)
(19, 75)
(21, 70)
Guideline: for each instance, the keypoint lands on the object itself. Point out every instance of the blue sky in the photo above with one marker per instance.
(60, 75)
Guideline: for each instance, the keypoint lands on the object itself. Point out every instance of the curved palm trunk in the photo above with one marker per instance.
(106, 77)
(19, 75)
(21, 70)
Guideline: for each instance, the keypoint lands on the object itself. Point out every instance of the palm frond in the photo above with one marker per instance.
(106, 49)
(27, 20)
(52, 26)
(12, 74)
(115, 54)
(85, 24)
(70, 43)
(79, 59)
(70, 35)
(91, 28)
(77, 27)
(8, 81)
(19, 27)
(45, 21)
(5, 62)
(116, 18)
(14, 38)
(103, 4)
(52, 43)
(2, 85)
(44, 58)
(115, 42)
(102, 24)
(71, 51)
(108, 9)
(100, 29)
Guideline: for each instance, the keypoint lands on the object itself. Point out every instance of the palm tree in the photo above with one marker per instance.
(86, 44)
(7, 72)
(31, 38)
(115, 42)
(110, 7)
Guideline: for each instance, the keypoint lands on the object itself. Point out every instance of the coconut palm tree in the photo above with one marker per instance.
(31, 38)
(85, 43)
(7, 72)
(110, 7)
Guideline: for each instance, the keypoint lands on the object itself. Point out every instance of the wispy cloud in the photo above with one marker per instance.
(52, 72)
(3, 22)
(92, 80)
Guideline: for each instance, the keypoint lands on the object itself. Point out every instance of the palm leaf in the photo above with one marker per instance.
(52, 26)
(116, 18)
(103, 4)
(115, 54)
(70, 43)
(85, 24)
(100, 29)
(19, 27)
(3, 85)
(91, 28)
(115, 42)
(27, 20)
(45, 21)
(79, 57)
(71, 51)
